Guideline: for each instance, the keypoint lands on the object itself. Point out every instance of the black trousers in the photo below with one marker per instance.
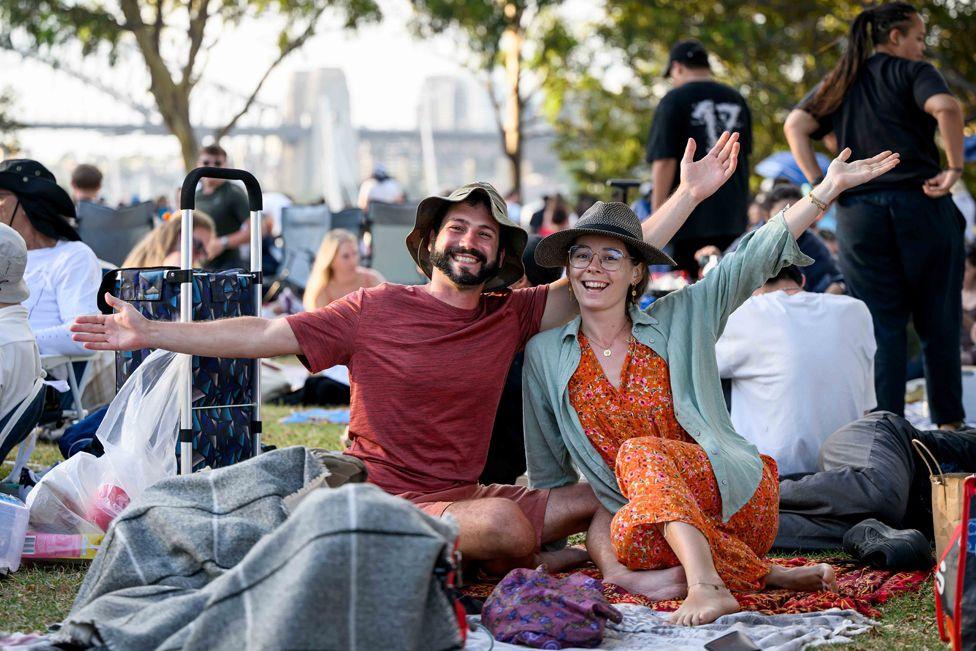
(902, 254)
(869, 469)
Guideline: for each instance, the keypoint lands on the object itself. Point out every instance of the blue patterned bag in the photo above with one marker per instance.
(223, 389)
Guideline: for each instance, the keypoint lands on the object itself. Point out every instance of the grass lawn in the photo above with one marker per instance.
(38, 595)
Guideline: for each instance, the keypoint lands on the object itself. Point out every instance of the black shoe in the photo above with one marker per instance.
(880, 546)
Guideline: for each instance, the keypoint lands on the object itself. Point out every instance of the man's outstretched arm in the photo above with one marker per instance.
(242, 337)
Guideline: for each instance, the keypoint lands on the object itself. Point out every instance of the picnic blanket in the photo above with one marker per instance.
(860, 589)
(256, 556)
(643, 629)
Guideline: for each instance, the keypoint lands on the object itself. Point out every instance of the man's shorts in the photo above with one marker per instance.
(532, 502)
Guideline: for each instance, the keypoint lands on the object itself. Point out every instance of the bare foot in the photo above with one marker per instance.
(704, 604)
(657, 585)
(809, 578)
(562, 559)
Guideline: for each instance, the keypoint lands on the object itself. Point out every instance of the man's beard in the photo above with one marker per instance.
(463, 278)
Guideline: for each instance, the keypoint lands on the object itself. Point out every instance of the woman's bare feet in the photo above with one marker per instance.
(657, 585)
(704, 604)
(560, 560)
(809, 578)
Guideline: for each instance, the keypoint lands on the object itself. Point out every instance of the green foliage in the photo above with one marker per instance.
(8, 125)
(773, 52)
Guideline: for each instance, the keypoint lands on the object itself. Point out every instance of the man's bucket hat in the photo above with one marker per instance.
(512, 237)
(613, 219)
(46, 204)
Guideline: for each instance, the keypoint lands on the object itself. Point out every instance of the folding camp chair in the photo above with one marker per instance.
(350, 219)
(302, 230)
(17, 427)
(389, 225)
(112, 234)
(51, 364)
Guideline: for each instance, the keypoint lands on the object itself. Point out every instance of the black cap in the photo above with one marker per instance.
(691, 53)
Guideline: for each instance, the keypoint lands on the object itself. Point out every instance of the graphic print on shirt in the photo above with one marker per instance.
(716, 118)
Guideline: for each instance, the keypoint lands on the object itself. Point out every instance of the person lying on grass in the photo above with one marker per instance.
(427, 363)
(633, 399)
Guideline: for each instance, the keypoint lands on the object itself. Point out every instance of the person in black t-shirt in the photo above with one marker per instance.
(699, 107)
(900, 235)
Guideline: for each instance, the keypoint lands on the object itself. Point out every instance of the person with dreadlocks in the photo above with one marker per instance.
(900, 235)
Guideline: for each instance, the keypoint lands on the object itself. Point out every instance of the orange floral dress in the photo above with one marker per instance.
(664, 474)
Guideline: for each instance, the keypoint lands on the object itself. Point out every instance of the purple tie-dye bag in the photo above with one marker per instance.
(536, 609)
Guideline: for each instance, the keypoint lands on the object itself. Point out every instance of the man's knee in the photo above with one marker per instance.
(501, 521)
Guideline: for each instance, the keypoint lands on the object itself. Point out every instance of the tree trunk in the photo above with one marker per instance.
(512, 42)
(172, 99)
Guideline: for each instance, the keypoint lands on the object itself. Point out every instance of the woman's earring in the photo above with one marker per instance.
(633, 293)
(571, 297)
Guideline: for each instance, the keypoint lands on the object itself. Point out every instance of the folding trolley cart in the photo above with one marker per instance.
(220, 402)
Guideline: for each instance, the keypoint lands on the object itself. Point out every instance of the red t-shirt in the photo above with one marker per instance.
(426, 377)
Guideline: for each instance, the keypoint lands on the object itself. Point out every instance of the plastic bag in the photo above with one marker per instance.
(84, 494)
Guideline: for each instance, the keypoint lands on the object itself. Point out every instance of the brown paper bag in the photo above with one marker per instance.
(947, 498)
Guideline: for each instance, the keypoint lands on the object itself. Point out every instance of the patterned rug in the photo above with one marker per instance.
(860, 588)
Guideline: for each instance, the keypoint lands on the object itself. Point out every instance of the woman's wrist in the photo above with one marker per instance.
(826, 191)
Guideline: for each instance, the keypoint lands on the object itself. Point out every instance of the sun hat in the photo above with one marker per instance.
(612, 219)
(512, 237)
(46, 204)
(13, 262)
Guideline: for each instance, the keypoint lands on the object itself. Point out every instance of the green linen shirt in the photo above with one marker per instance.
(682, 328)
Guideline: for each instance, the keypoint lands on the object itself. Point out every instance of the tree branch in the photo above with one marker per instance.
(290, 47)
(496, 108)
(158, 25)
(198, 23)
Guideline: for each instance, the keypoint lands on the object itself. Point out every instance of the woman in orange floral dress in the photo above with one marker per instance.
(632, 399)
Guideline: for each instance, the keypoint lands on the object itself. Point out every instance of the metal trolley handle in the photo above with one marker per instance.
(187, 204)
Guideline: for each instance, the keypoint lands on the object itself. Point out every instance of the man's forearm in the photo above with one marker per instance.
(241, 337)
(660, 227)
(662, 178)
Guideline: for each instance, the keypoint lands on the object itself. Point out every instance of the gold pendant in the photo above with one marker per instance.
(607, 352)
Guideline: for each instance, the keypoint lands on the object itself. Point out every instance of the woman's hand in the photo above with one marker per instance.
(703, 177)
(842, 175)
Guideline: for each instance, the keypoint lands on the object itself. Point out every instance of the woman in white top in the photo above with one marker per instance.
(336, 271)
(62, 274)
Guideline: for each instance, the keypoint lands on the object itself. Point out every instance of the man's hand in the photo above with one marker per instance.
(215, 247)
(842, 175)
(702, 178)
(127, 329)
(941, 184)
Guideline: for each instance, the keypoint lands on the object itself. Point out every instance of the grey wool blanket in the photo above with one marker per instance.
(265, 555)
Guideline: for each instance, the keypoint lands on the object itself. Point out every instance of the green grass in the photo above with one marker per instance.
(39, 595)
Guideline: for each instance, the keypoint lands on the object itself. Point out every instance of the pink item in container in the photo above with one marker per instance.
(58, 546)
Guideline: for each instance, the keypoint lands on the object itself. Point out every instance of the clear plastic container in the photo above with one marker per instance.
(13, 528)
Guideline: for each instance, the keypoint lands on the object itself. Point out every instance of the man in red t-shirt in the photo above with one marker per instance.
(427, 363)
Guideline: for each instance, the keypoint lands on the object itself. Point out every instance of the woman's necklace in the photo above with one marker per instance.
(607, 350)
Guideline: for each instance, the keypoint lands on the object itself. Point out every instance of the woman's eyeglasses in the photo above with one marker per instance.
(581, 256)
(206, 162)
